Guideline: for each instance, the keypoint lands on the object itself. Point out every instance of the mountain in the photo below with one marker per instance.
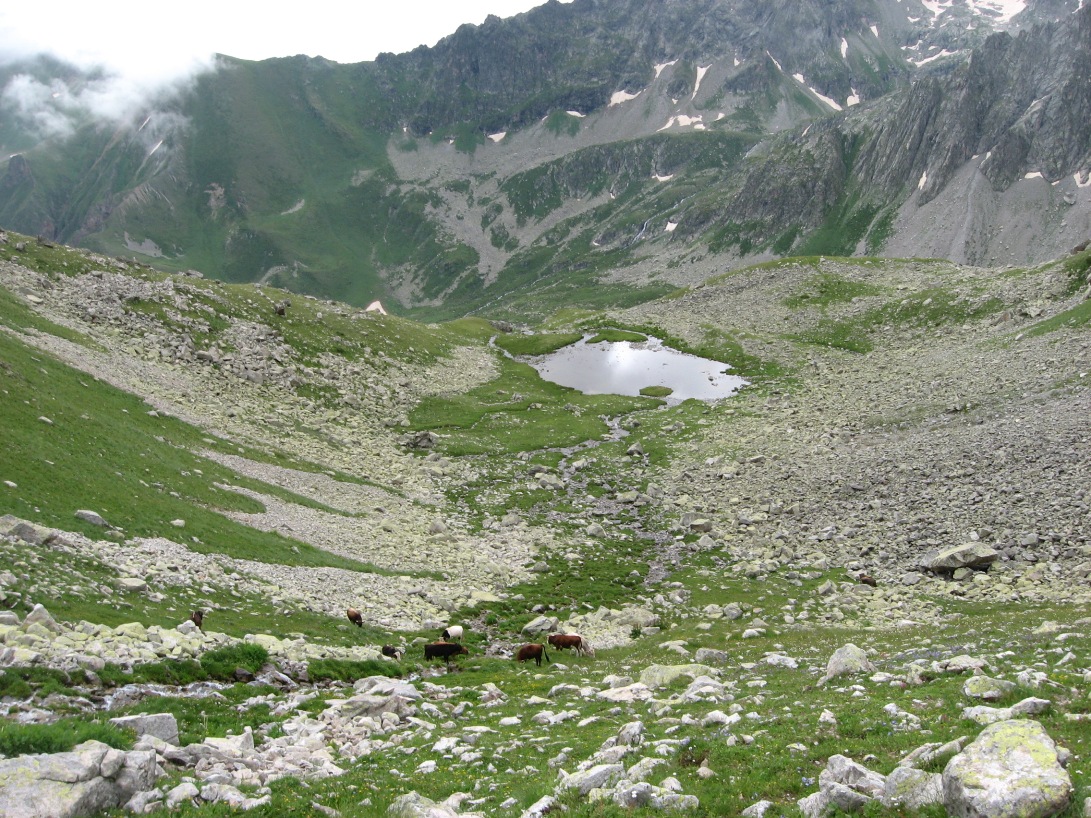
(521, 164)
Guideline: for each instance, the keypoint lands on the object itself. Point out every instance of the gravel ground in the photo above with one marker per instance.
(940, 435)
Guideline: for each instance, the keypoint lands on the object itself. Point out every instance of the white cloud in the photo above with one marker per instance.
(142, 49)
(163, 40)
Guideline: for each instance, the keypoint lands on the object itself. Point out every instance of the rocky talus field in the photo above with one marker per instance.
(861, 585)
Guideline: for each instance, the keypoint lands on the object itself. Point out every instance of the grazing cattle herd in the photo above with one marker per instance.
(450, 644)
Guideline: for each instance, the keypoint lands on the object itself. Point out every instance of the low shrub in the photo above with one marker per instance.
(59, 737)
(23, 682)
(344, 670)
(222, 662)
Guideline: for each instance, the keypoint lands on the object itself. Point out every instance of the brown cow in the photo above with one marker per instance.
(355, 617)
(535, 652)
(444, 651)
(391, 651)
(563, 641)
(198, 619)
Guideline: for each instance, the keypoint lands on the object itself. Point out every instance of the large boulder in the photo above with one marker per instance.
(415, 805)
(636, 692)
(540, 625)
(597, 777)
(40, 616)
(665, 675)
(367, 704)
(911, 788)
(846, 661)
(1011, 770)
(983, 714)
(161, 725)
(843, 770)
(969, 555)
(87, 780)
(987, 688)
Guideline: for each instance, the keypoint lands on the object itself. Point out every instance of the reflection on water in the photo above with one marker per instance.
(626, 367)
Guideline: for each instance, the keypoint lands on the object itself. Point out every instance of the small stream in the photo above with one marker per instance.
(625, 368)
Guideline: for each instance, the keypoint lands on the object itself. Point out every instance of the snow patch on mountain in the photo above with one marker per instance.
(701, 71)
(663, 65)
(832, 103)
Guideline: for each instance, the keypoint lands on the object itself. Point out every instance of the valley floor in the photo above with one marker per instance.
(715, 555)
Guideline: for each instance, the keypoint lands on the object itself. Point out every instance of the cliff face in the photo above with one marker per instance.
(582, 138)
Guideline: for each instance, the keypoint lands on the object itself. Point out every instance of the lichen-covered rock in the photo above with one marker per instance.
(597, 777)
(843, 770)
(664, 675)
(1011, 770)
(911, 788)
(987, 688)
(40, 616)
(815, 805)
(845, 799)
(89, 779)
(847, 660)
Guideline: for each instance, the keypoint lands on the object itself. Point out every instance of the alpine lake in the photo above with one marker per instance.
(628, 367)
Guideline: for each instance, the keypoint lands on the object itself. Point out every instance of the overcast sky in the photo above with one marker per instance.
(163, 39)
(147, 45)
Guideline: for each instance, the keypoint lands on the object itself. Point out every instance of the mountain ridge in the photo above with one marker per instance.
(435, 179)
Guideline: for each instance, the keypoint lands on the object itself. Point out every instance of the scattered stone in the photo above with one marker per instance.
(92, 517)
(757, 810)
(711, 656)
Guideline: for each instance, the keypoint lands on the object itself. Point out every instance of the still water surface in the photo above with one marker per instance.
(626, 367)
